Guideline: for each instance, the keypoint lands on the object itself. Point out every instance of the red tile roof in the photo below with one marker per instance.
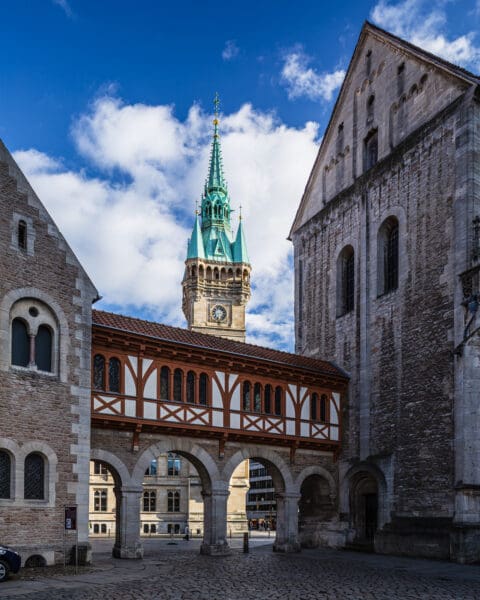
(212, 342)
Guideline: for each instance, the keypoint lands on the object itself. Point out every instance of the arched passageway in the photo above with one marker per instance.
(316, 509)
(364, 504)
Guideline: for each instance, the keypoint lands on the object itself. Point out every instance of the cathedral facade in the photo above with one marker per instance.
(386, 244)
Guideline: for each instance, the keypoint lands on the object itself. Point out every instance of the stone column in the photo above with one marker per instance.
(215, 522)
(287, 539)
(127, 543)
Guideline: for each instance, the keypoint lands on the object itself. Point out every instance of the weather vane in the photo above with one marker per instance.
(216, 103)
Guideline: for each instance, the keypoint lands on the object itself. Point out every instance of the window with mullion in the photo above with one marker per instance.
(5, 474)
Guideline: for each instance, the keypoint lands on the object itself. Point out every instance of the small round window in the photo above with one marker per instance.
(33, 311)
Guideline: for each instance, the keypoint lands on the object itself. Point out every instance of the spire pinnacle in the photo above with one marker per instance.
(216, 181)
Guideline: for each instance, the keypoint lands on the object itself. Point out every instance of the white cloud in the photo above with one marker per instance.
(302, 80)
(230, 50)
(424, 26)
(129, 225)
(65, 6)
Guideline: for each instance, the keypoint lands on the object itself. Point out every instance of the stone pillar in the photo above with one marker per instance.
(215, 522)
(127, 543)
(287, 539)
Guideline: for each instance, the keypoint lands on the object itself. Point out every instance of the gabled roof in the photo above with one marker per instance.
(223, 346)
(399, 43)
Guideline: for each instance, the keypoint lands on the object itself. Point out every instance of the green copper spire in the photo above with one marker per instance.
(214, 240)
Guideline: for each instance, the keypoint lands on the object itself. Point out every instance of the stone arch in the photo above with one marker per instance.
(199, 457)
(31, 292)
(317, 470)
(281, 474)
(112, 461)
(356, 478)
(13, 450)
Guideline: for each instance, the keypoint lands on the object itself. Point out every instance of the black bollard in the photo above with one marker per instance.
(245, 542)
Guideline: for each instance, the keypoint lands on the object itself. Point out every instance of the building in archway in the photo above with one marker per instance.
(387, 262)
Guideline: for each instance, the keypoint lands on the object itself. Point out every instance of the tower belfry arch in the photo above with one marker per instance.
(216, 283)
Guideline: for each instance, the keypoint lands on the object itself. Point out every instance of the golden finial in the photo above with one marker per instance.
(240, 213)
(196, 207)
(216, 104)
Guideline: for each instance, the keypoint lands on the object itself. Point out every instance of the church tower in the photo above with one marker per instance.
(216, 283)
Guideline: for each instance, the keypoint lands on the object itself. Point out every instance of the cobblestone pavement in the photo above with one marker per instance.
(178, 573)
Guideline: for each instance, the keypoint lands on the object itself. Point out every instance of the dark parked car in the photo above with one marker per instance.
(10, 562)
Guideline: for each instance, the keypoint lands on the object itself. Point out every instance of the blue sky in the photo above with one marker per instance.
(107, 107)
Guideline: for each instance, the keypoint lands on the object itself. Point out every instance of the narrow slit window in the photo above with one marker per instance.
(34, 477)
(257, 398)
(43, 348)
(178, 385)
(268, 399)
(246, 395)
(22, 235)
(99, 372)
(114, 375)
(165, 383)
(191, 387)
(20, 343)
(203, 389)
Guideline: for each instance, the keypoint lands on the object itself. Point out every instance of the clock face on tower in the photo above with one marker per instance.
(219, 313)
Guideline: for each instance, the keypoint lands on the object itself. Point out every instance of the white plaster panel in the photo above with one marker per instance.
(216, 395)
(305, 430)
(235, 401)
(334, 433)
(146, 365)
(232, 378)
(150, 387)
(306, 408)
(134, 362)
(290, 427)
(130, 408)
(106, 411)
(289, 407)
(333, 413)
(130, 387)
(235, 421)
(293, 389)
(217, 418)
(221, 378)
(336, 395)
(149, 410)
(96, 403)
(253, 427)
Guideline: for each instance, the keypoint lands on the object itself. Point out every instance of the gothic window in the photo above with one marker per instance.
(20, 343)
(257, 398)
(246, 395)
(173, 501)
(178, 385)
(368, 62)
(99, 372)
(114, 375)
(203, 389)
(174, 464)
(370, 109)
(34, 477)
(22, 235)
(152, 468)
(371, 149)
(345, 281)
(313, 406)
(43, 348)
(268, 399)
(165, 383)
(278, 400)
(149, 501)
(318, 407)
(99, 468)
(190, 387)
(100, 500)
(400, 79)
(388, 256)
(323, 408)
(5, 474)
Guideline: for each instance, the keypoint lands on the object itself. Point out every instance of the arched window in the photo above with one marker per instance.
(149, 501)
(278, 400)
(178, 385)
(99, 372)
(246, 395)
(165, 383)
(203, 389)
(345, 281)
(314, 406)
(114, 375)
(34, 477)
(20, 343)
(100, 500)
(174, 464)
(387, 265)
(43, 348)
(22, 235)
(191, 387)
(370, 154)
(5, 474)
(257, 398)
(173, 499)
(370, 109)
(267, 401)
(323, 408)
